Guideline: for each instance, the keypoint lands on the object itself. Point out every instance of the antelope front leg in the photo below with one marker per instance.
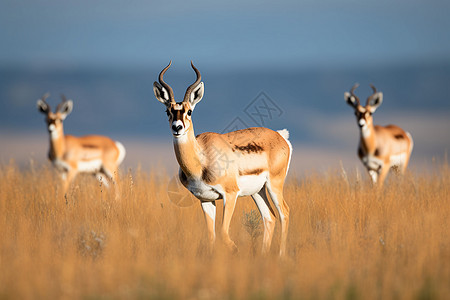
(229, 203)
(373, 176)
(67, 178)
(383, 173)
(209, 211)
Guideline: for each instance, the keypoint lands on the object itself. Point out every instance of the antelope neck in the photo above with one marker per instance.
(57, 145)
(368, 138)
(187, 151)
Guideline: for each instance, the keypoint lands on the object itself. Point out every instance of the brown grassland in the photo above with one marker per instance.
(347, 240)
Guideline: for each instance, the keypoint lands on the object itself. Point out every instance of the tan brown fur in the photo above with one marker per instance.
(221, 149)
(68, 153)
(101, 147)
(386, 136)
(381, 147)
(225, 166)
(250, 172)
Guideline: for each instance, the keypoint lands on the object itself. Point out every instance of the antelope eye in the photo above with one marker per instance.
(189, 112)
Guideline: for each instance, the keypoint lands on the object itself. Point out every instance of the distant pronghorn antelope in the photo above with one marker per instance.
(226, 166)
(380, 147)
(71, 155)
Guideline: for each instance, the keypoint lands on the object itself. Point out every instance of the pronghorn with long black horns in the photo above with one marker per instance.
(380, 147)
(95, 154)
(215, 166)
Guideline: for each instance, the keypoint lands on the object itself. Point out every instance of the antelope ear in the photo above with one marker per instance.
(66, 109)
(43, 107)
(197, 94)
(374, 102)
(351, 100)
(161, 93)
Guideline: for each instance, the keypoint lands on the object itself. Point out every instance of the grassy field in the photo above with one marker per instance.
(346, 240)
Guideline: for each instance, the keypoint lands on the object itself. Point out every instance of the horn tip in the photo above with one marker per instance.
(354, 87)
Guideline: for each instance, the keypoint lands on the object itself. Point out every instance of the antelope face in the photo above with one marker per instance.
(179, 113)
(55, 120)
(179, 117)
(363, 116)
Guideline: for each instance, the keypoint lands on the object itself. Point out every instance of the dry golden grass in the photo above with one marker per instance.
(346, 240)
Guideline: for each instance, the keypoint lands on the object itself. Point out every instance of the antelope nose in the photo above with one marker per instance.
(176, 128)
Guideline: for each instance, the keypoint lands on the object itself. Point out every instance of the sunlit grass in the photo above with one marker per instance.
(347, 240)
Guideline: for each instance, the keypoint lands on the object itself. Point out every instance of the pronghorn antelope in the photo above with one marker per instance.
(380, 147)
(215, 166)
(71, 155)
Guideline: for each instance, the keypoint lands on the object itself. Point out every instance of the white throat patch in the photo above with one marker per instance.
(53, 132)
(181, 139)
(365, 131)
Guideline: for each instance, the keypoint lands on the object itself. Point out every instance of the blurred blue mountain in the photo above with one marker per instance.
(121, 101)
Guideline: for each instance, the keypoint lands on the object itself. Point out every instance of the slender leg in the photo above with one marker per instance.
(228, 210)
(405, 163)
(103, 179)
(209, 211)
(383, 173)
(268, 217)
(67, 178)
(374, 176)
(408, 154)
(106, 176)
(114, 179)
(275, 189)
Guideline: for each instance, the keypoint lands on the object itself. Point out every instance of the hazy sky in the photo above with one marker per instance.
(223, 34)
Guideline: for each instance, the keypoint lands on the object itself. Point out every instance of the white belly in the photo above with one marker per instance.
(251, 184)
(372, 163)
(91, 166)
(248, 185)
(202, 190)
